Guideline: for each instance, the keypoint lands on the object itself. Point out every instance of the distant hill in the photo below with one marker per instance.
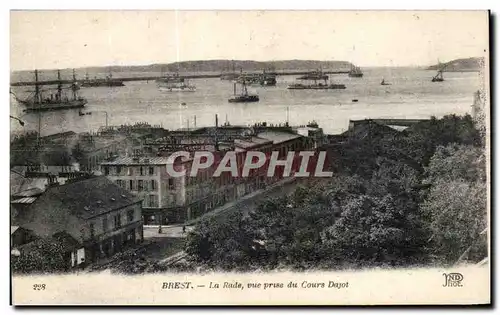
(228, 65)
(197, 66)
(461, 65)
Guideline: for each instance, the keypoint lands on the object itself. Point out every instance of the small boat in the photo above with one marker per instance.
(439, 76)
(244, 97)
(384, 83)
(354, 100)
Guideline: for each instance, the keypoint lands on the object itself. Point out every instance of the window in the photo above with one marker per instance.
(104, 225)
(141, 170)
(140, 185)
(131, 184)
(92, 230)
(118, 223)
(153, 185)
(118, 170)
(119, 182)
(153, 201)
(171, 183)
(106, 170)
(130, 215)
(151, 170)
(130, 171)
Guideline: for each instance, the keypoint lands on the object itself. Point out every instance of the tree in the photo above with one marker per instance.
(43, 255)
(457, 214)
(223, 243)
(456, 162)
(374, 231)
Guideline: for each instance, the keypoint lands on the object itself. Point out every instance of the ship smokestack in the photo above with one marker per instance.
(216, 120)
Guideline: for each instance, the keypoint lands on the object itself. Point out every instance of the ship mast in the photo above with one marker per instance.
(37, 89)
(245, 92)
(74, 87)
(59, 87)
(38, 99)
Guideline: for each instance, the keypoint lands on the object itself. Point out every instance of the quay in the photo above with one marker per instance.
(152, 78)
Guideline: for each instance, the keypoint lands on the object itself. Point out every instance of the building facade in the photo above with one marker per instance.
(101, 216)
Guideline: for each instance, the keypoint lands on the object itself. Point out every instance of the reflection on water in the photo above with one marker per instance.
(411, 95)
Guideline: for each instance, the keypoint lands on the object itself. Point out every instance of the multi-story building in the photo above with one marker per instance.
(147, 178)
(101, 216)
(169, 199)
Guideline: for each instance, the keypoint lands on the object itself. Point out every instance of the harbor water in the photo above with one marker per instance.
(410, 95)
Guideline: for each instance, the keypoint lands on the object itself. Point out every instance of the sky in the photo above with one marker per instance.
(72, 39)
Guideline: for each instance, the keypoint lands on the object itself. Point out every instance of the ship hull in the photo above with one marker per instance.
(355, 75)
(244, 99)
(177, 89)
(30, 107)
(170, 80)
(317, 87)
(314, 77)
(100, 84)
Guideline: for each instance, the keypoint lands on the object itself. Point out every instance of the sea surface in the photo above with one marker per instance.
(410, 95)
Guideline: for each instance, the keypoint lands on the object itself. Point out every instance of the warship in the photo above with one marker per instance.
(244, 97)
(44, 100)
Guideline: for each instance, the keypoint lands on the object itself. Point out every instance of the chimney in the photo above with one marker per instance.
(216, 121)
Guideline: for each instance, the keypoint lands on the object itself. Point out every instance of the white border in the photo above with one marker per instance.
(190, 5)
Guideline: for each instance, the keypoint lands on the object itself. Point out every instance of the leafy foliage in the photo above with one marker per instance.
(397, 199)
(43, 255)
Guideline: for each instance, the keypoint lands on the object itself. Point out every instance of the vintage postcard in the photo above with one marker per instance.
(250, 157)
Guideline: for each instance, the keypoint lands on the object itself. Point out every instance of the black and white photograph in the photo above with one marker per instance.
(258, 157)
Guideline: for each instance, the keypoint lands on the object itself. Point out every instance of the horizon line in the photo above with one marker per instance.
(236, 60)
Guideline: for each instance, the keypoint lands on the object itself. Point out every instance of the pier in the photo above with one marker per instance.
(152, 78)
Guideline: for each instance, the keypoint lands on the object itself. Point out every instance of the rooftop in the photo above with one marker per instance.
(157, 160)
(250, 143)
(278, 136)
(89, 197)
(26, 187)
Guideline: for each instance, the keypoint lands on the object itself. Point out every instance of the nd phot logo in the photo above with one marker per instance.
(453, 279)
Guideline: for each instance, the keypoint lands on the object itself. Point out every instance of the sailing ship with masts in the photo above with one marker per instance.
(244, 97)
(43, 100)
(108, 81)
